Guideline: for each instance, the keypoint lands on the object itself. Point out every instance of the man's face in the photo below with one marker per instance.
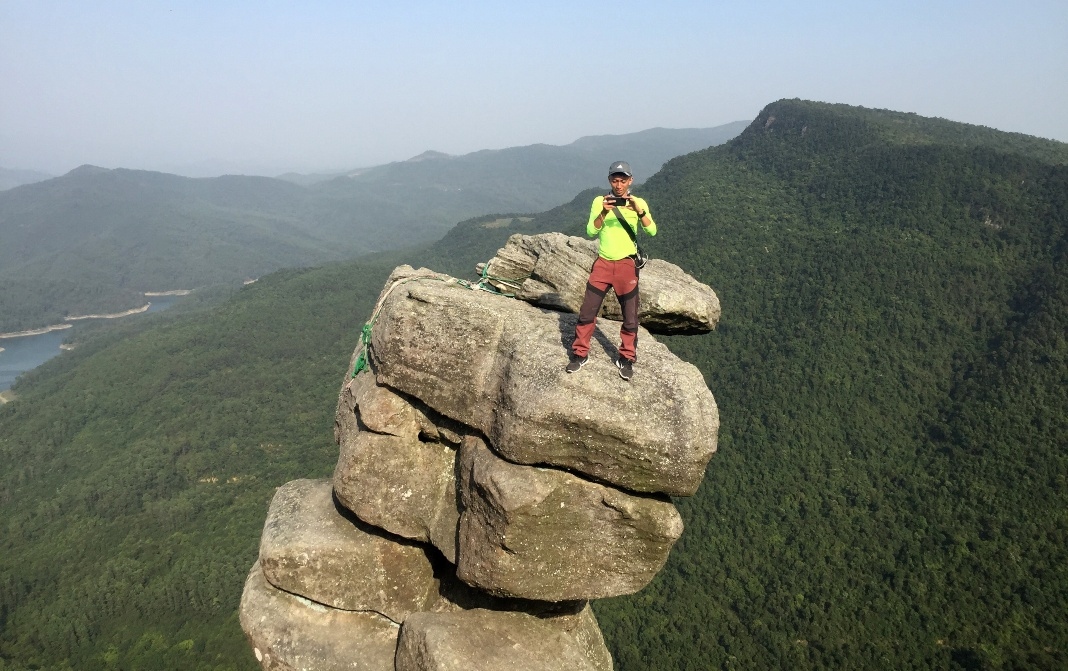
(620, 184)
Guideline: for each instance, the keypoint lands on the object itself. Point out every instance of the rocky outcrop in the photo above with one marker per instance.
(547, 534)
(485, 639)
(550, 270)
(289, 632)
(497, 365)
(310, 547)
(483, 496)
(396, 469)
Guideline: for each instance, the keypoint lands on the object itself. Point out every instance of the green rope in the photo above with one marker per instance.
(481, 285)
(484, 284)
(365, 340)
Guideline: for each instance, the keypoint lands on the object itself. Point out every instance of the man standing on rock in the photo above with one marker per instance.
(615, 267)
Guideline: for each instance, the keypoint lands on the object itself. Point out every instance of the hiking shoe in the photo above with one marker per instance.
(626, 368)
(576, 363)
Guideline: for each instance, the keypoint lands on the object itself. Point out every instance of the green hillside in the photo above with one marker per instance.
(891, 369)
(872, 505)
(95, 240)
(132, 509)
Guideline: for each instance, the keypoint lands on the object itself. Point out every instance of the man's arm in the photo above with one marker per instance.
(597, 215)
(645, 218)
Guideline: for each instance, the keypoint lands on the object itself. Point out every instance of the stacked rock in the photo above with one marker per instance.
(482, 496)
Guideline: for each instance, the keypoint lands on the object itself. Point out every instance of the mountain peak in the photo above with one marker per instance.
(88, 170)
(427, 155)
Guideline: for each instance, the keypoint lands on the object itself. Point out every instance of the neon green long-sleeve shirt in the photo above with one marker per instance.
(613, 241)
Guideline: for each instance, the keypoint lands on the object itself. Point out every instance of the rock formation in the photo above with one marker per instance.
(552, 270)
(483, 496)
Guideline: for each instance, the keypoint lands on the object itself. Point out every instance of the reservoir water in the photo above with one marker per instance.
(29, 352)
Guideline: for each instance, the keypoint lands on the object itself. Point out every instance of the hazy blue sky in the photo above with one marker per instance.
(266, 87)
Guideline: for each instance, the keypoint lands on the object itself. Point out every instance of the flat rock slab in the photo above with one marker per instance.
(537, 533)
(551, 270)
(311, 549)
(389, 472)
(291, 633)
(492, 641)
(497, 364)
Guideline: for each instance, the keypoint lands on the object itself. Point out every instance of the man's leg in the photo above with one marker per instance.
(596, 288)
(587, 320)
(628, 332)
(625, 284)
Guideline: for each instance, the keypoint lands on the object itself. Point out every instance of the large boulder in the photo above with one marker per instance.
(540, 533)
(496, 641)
(551, 270)
(394, 470)
(312, 549)
(482, 495)
(291, 633)
(497, 365)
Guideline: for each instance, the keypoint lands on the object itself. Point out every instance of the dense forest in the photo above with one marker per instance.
(891, 369)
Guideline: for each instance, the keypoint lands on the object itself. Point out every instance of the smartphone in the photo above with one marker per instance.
(614, 201)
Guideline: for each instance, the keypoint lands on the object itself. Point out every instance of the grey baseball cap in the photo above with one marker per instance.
(619, 167)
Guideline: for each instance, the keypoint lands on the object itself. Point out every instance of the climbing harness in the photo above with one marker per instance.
(483, 284)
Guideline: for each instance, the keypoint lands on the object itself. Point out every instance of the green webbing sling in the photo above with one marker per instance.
(481, 285)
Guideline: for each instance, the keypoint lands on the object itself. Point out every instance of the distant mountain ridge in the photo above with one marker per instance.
(648, 149)
(95, 239)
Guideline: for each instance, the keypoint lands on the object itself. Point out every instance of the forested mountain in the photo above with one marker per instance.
(891, 370)
(95, 240)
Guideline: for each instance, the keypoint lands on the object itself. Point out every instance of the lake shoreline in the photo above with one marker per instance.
(33, 332)
(114, 315)
(26, 350)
